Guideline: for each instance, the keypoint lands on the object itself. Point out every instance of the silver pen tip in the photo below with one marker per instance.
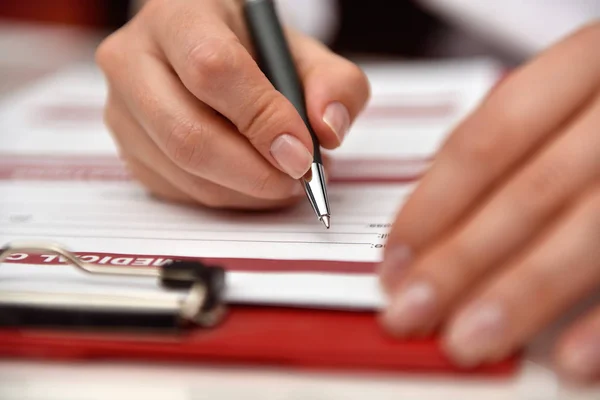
(326, 221)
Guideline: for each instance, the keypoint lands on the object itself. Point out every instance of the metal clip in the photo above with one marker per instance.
(202, 306)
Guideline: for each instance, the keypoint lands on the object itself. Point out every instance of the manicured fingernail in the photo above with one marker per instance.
(394, 265)
(581, 360)
(336, 116)
(411, 309)
(476, 333)
(291, 155)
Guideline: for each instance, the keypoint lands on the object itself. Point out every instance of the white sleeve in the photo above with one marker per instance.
(316, 18)
(526, 26)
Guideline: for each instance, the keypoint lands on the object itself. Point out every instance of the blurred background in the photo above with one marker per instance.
(88, 13)
(37, 35)
(40, 36)
(400, 28)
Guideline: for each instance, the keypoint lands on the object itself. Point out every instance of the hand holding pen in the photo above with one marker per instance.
(198, 121)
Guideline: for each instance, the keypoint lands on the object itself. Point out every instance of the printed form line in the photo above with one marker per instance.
(54, 234)
(33, 225)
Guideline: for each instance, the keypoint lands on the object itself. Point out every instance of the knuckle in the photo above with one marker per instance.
(357, 80)
(513, 109)
(464, 256)
(188, 144)
(589, 32)
(209, 60)
(262, 184)
(489, 134)
(265, 114)
(480, 149)
(107, 53)
(542, 187)
(506, 110)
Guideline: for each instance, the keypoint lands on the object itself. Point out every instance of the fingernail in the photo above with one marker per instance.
(336, 116)
(476, 333)
(394, 265)
(411, 309)
(581, 360)
(291, 155)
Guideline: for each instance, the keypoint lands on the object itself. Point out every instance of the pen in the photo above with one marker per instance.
(275, 60)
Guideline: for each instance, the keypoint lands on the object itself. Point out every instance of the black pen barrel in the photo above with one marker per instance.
(275, 59)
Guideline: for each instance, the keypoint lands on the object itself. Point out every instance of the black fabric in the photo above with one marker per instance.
(384, 27)
(117, 13)
(380, 27)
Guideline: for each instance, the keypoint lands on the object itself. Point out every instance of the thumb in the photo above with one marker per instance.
(336, 89)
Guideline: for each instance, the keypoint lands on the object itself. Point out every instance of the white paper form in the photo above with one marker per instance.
(415, 105)
(412, 109)
(60, 114)
(113, 221)
(121, 218)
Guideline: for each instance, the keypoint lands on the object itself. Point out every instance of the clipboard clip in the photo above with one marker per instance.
(202, 305)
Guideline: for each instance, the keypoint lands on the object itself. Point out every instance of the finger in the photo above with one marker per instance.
(336, 89)
(155, 184)
(561, 268)
(191, 135)
(515, 214)
(517, 117)
(160, 174)
(578, 350)
(214, 66)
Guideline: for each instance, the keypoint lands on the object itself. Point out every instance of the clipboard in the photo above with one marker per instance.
(200, 327)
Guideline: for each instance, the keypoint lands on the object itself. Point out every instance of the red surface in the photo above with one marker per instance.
(294, 338)
(75, 12)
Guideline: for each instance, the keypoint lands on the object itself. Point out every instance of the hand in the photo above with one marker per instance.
(502, 235)
(197, 121)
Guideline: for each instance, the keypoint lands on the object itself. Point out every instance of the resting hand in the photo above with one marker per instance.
(502, 235)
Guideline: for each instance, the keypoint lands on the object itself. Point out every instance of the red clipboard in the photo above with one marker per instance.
(293, 338)
(290, 337)
(271, 337)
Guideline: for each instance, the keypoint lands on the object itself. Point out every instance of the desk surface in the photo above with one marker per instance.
(31, 52)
